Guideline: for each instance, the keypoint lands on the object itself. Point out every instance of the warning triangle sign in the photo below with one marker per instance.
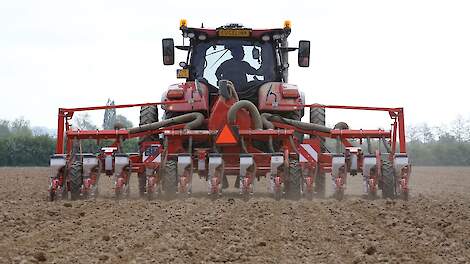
(226, 136)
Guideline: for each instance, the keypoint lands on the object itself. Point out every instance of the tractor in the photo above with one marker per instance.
(236, 115)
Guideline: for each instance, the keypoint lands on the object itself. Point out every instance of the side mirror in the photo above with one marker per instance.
(304, 53)
(168, 51)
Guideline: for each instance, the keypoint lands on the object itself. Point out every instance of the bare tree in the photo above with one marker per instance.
(4, 128)
(83, 122)
(413, 133)
(459, 129)
(122, 121)
(426, 133)
(20, 126)
(109, 116)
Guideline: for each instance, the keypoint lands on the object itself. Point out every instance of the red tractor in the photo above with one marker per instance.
(235, 115)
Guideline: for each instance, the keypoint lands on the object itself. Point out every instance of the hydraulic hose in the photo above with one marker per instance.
(245, 104)
(227, 90)
(254, 113)
(268, 125)
(192, 120)
(267, 118)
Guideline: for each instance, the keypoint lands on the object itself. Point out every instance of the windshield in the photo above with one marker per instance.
(245, 63)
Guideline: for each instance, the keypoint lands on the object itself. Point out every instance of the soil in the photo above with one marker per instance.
(432, 227)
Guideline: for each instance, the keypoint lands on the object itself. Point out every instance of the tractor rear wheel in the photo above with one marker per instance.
(148, 115)
(388, 180)
(169, 178)
(293, 183)
(294, 115)
(76, 180)
(317, 116)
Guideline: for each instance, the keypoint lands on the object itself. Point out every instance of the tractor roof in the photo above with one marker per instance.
(235, 30)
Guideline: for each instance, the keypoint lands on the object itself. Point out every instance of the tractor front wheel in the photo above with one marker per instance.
(293, 183)
(388, 180)
(76, 180)
(170, 178)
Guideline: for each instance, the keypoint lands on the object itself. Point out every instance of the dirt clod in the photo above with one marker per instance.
(40, 256)
(261, 244)
(370, 250)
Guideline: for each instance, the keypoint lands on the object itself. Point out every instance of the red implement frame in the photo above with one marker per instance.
(396, 134)
(65, 114)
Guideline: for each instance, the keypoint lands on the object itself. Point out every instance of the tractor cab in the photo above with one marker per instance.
(247, 57)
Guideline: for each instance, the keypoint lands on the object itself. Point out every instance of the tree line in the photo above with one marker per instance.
(445, 145)
(20, 145)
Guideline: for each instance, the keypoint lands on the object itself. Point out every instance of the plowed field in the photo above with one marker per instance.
(432, 227)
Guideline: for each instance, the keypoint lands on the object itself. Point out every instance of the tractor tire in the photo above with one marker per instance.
(293, 183)
(295, 115)
(170, 178)
(388, 180)
(317, 116)
(76, 179)
(148, 115)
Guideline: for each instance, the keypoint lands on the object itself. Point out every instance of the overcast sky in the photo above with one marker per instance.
(411, 54)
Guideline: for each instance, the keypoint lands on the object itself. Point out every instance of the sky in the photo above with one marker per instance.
(411, 54)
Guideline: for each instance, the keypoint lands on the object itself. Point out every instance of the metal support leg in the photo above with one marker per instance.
(247, 173)
(185, 173)
(57, 183)
(90, 174)
(275, 177)
(216, 172)
(121, 174)
(369, 178)
(338, 173)
(402, 168)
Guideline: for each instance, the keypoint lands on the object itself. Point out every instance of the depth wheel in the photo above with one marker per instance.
(142, 178)
(339, 195)
(52, 195)
(320, 185)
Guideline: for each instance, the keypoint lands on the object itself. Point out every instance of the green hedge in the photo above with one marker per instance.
(36, 150)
